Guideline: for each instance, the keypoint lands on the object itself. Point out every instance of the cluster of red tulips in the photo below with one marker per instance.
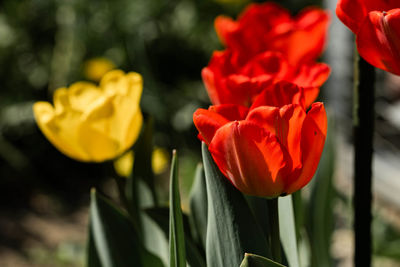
(264, 130)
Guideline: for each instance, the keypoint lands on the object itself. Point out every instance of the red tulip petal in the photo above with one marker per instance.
(214, 76)
(286, 123)
(222, 62)
(353, 12)
(264, 16)
(289, 131)
(207, 123)
(378, 40)
(249, 157)
(385, 5)
(209, 82)
(310, 95)
(256, 22)
(306, 39)
(265, 116)
(318, 114)
(312, 75)
(280, 94)
(230, 111)
(224, 27)
(229, 33)
(241, 90)
(267, 63)
(225, 84)
(313, 136)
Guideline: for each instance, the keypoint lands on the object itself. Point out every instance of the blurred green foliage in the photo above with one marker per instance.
(44, 45)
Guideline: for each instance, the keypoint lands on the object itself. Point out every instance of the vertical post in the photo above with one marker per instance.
(363, 125)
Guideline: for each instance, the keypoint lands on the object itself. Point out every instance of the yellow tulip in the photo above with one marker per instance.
(124, 164)
(159, 160)
(90, 123)
(95, 68)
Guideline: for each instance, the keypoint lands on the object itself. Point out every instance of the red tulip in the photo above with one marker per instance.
(280, 94)
(227, 81)
(268, 26)
(265, 151)
(376, 24)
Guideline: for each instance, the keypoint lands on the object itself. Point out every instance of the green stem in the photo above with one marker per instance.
(363, 124)
(121, 191)
(298, 211)
(121, 185)
(274, 227)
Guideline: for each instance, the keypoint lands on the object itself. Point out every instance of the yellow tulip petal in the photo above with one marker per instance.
(82, 95)
(132, 133)
(61, 100)
(99, 146)
(57, 130)
(102, 108)
(125, 114)
(135, 86)
(125, 85)
(111, 78)
(127, 121)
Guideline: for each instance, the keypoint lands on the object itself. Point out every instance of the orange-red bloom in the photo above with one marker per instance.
(264, 151)
(376, 24)
(268, 26)
(228, 82)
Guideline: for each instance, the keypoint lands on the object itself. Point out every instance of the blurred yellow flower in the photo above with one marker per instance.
(95, 68)
(90, 123)
(124, 164)
(159, 160)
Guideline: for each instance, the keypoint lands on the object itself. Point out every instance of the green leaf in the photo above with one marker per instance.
(259, 207)
(115, 239)
(252, 260)
(198, 205)
(92, 258)
(161, 217)
(303, 242)
(320, 208)
(231, 228)
(298, 209)
(176, 232)
(288, 230)
(140, 191)
(153, 237)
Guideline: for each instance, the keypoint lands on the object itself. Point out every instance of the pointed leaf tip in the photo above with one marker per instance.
(177, 236)
(252, 260)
